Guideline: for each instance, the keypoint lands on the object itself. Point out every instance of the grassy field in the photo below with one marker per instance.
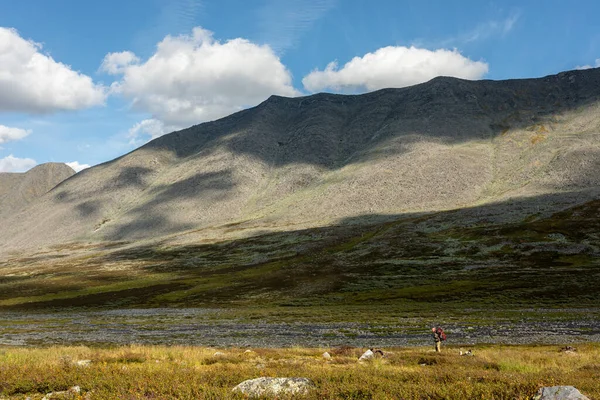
(494, 372)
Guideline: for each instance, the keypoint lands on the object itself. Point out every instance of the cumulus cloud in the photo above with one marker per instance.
(149, 129)
(194, 78)
(77, 166)
(14, 164)
(34, 82)
(394, 66)
(596, 65)
(115, 63)
(8, 134)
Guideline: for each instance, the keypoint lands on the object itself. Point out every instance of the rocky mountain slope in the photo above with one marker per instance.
(18, 190)
(312, 161)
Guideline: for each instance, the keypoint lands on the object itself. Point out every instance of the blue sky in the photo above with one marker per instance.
(86, 82)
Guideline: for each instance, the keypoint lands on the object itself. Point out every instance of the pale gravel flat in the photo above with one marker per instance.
(202, 327)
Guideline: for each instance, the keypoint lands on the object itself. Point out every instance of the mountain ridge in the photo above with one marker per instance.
(312, 160)
(18, 189)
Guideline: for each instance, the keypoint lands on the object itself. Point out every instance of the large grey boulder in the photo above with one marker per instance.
(72, 393)
(274, 386)
(560, 393)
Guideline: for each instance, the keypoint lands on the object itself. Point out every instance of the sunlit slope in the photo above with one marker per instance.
(314, 160)
(17, 190)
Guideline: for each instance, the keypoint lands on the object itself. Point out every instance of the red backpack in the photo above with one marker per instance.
(441, 333)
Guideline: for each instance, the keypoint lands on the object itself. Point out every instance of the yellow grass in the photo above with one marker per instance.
(152, 372)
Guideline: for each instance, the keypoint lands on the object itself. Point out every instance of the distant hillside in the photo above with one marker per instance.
(314, 160)
(17, 190)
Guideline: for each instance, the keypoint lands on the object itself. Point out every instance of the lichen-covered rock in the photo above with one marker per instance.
(274, 386)
(72, 393)
(560, 393)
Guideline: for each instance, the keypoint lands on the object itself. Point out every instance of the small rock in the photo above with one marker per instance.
(219, 354)
(274, 386)
(326, 356)
(367, 355)
(559, 393)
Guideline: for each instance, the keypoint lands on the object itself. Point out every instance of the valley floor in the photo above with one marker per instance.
(177, 372)
(367, 326)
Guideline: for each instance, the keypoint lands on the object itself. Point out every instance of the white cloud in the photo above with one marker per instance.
(394, 66)
(282, 23)
(8, 134)
(195, 78)
(596, 65)
(14, 164)
(77, 166)
(486, 30)
(115, 63)
(149, 127)
(34, 82)
(491, 29)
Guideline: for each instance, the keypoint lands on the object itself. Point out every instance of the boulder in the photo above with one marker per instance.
(274, 387)
(559, 393)
(367, 355)
(72, 393)
(371, 354)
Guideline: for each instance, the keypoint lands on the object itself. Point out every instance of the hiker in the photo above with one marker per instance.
(438, 336)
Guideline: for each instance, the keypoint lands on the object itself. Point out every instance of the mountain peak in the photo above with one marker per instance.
(307, 161)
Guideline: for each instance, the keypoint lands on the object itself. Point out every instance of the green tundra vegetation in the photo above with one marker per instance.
(137, 372)
(420, 263)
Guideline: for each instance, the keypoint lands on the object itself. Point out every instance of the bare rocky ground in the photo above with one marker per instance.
(205, 327)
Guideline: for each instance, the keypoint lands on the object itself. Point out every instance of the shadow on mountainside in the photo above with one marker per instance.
(327, 129)
(494, 254)
(154, 191)
(153, 215)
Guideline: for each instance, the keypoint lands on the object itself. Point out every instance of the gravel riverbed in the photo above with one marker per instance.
(204, 327)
